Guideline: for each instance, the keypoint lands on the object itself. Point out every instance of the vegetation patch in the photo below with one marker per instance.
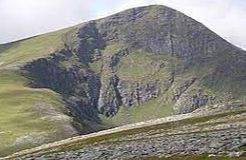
(29, 49)
(153, 109)
(21, 115)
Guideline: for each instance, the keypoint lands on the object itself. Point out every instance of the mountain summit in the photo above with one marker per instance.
(140, 64)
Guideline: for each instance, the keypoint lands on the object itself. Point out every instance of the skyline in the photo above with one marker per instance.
(27, 18)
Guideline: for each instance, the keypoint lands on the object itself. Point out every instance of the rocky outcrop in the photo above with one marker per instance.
(163, 33)
(115, 59)
(168, 32)
(179, 90)
(90, 42)
(134, 94)
(221, 135)
(110, 98)
(152, 58)
(197, 143)
(77, 84)
(189, 103)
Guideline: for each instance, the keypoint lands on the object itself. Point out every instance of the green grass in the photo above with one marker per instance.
(96, 66)
(26, 111)
(135, 66)
(115, 137)
(29, 49)
(70, 62)
(155, 108)
(140, 65)
(143, 67)
(243, 148)
(20, 115)
(101, 66)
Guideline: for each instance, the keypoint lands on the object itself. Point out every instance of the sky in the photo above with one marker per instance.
(24, 18)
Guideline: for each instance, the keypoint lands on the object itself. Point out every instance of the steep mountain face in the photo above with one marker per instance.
(140, 55)
(140, 64)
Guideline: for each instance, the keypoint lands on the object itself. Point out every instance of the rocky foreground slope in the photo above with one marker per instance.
(140, 64)
(220, 136)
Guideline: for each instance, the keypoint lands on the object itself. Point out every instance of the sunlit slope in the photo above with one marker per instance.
(30, 117)
(20, 52)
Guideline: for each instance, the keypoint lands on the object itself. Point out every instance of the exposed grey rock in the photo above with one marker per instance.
(187, 103)
(164, 32)
(77, 84)
(137, 93)
(110, 98)
(142, 146)
(31, 139)
(179, 90)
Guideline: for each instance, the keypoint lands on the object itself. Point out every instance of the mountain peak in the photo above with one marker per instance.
(140, 64)
(160, 29)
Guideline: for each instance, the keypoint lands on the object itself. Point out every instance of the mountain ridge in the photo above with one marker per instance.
(140, 64)
(26, 38)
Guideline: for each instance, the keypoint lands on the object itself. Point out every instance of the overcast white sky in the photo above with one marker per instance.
(25, 18)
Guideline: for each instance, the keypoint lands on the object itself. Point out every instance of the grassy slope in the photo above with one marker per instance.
(20, 115)
(115, 137)
(29, 49)
(25, 111)
(134, 67)
(138, 66)
(17, 99)
(150, 110)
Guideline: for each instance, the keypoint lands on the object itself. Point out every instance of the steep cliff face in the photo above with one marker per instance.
(182, 47)
(79, 86)
(140, 55)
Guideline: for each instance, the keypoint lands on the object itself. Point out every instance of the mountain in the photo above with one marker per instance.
(140, 64)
